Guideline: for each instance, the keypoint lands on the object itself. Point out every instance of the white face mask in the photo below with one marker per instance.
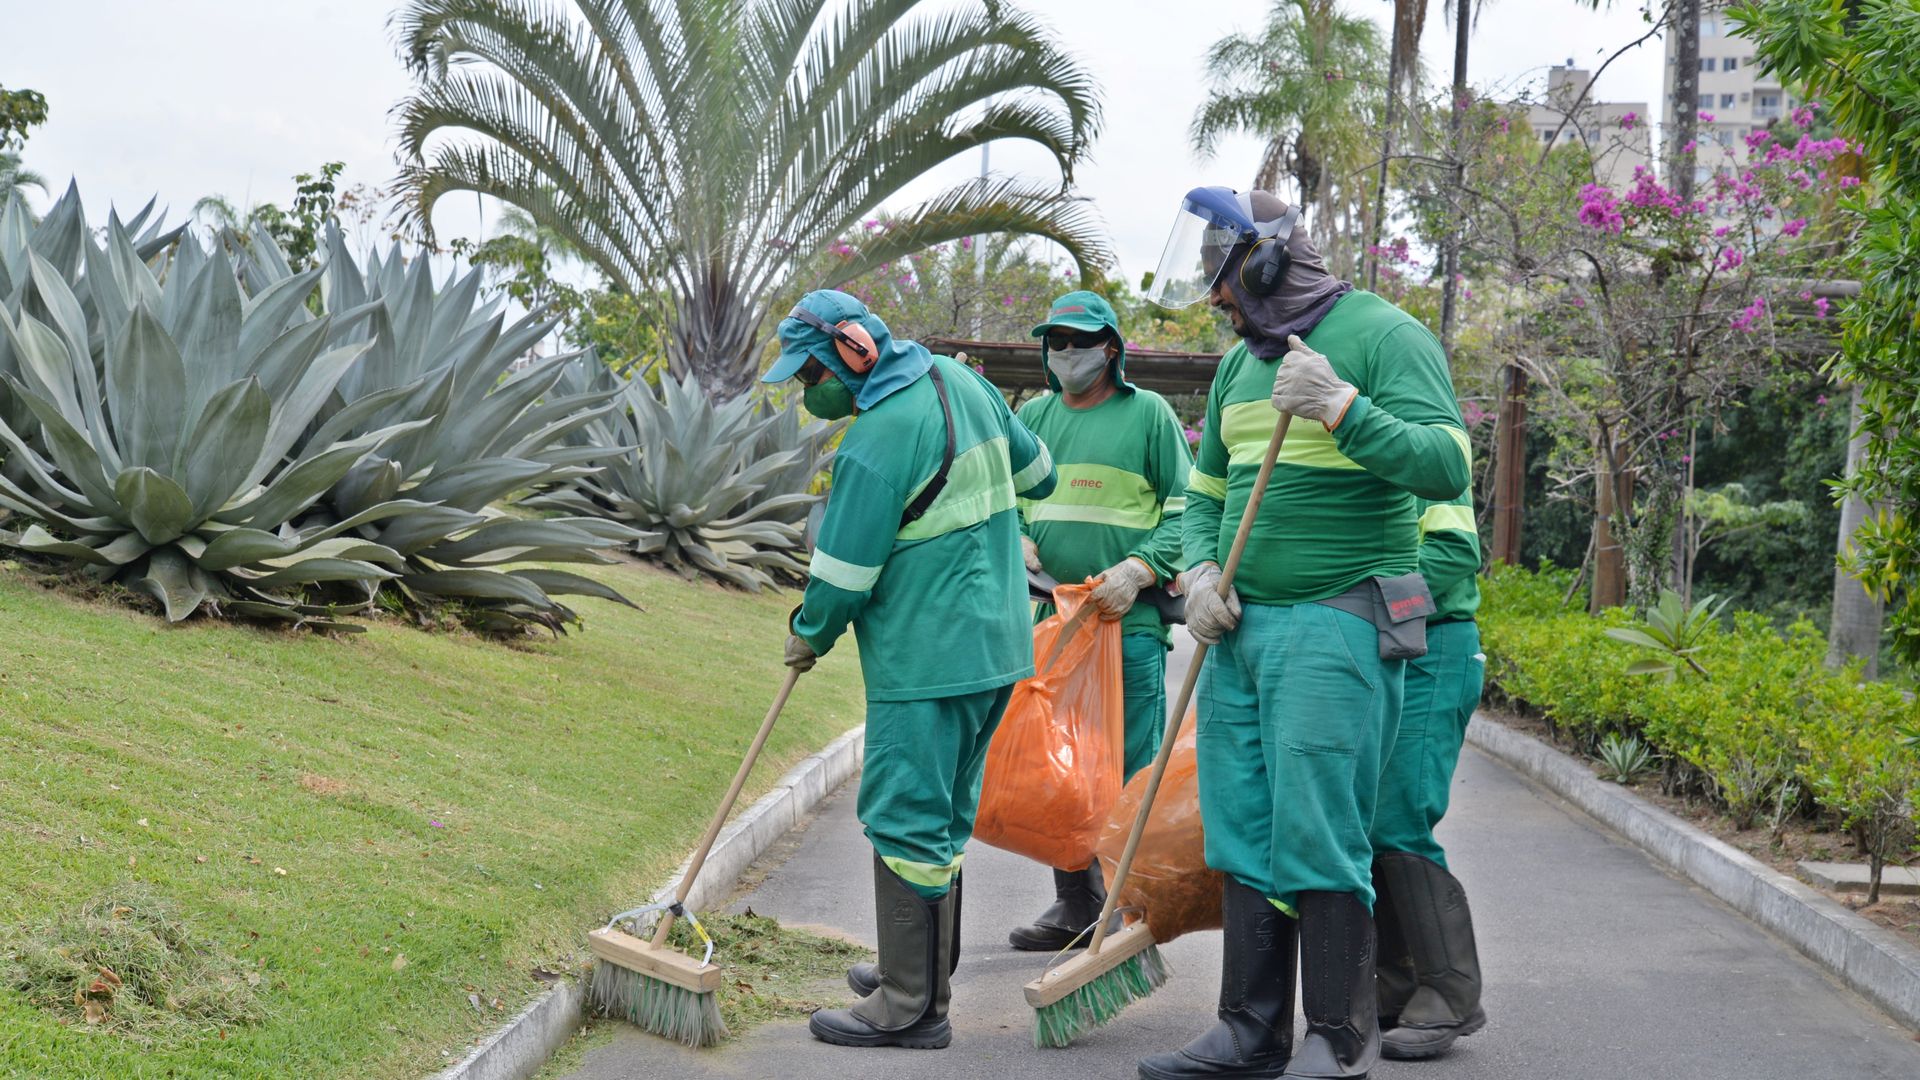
(1077, 369)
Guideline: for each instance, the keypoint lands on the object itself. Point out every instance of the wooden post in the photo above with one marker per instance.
(1510, 466)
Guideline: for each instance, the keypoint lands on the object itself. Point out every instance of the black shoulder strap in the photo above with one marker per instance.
(921, 502)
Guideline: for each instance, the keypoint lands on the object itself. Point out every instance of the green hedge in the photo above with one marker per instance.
(1771, 733)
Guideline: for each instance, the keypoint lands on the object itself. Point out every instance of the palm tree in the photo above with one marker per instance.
(16, 178)
(1309, 82)
(711, 149)
(1403, 76)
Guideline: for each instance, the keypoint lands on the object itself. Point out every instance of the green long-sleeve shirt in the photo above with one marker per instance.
(1450, 556)
(1123, 477)
(939, 607)
(1341, 505)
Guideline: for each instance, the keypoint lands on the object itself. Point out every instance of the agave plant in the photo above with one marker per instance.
(179, 474)
(719, 488)
(442, 356)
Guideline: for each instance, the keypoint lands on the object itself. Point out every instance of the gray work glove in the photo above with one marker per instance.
(1120, 586)
(800, 655)
(1209, 616)
(1031, 552)
(1306, 386)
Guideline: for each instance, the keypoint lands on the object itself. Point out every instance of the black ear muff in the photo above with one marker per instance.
(1265, 268)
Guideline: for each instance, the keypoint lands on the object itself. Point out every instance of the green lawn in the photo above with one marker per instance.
(470, 806)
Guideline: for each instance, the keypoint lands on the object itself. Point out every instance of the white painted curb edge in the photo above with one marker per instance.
(517, 1050)
(1870, 959)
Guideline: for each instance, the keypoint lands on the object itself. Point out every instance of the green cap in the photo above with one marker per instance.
(1086, 312)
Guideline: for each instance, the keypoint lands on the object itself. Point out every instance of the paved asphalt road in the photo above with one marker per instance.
(1599, 966)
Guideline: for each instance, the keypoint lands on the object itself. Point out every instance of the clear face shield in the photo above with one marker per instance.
(1197, 250)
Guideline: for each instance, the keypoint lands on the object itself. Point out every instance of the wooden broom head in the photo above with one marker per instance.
(1083, 969)
(667, 965)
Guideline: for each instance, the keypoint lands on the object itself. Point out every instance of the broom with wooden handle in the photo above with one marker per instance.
(1115, 971)
(661, 990)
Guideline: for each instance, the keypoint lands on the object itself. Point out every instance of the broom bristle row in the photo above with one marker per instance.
(1092, 1005)
(654, 1005)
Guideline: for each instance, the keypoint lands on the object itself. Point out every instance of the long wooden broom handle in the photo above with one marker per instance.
(726, 805)
(1179, 714)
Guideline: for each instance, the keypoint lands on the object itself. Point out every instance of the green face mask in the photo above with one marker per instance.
(829, 399)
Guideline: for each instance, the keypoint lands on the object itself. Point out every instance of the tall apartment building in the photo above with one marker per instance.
(1618, 150)
(1733, 90)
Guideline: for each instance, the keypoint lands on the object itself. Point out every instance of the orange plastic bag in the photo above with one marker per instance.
(1169, 878)
(1053, 768)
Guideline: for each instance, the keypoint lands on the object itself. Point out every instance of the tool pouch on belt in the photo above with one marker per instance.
(1397, 607)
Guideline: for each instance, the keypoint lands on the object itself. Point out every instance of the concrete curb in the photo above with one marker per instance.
(517, 1050)
(1870, 959)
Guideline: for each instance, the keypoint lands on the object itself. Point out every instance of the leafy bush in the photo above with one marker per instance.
(1771, 729)
(715, 487)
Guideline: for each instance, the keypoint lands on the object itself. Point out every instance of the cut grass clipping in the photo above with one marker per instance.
(126, 962)
(768, 971)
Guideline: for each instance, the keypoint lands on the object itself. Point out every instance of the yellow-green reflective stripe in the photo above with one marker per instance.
(1447, 516)
(1286, 910)
(844, 575)
(1175, 505)
(978, 487)
(1458, 436)
(927, 874)
(1213, 487)
(1247, 428)
(1036, 470)
(1093, 515)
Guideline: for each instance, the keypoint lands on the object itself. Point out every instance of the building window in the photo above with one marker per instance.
(1706, 64)
(1730, 63)
(1745, 95)
(1546, 134)
(1709, 27)
(1706, 101)
(1724, 137)
(1726, 101)
(1700, 174)
(1766, 106)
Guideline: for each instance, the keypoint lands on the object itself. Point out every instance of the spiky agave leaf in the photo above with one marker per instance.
(715, 488)
(174, 470)
(439, 353)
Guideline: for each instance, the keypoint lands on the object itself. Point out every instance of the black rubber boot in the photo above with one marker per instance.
(1336, 988)
(864, 977)
(909, 1008)
(1078, 896)
(1393, 974)
(1431, 909)
(1255, 1032)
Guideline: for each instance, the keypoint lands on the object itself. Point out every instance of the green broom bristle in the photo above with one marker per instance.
(660, 1007)
(1099, 1001)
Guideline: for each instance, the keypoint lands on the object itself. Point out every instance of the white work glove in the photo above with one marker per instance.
(800, 655)
(1209, 616)
(1120, 586)
(1031, 551)
(1306, 386)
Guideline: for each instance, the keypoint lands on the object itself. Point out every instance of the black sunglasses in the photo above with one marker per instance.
(1086, 339)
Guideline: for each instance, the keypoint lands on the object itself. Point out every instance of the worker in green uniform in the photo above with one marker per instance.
(1429, 968)
(1123, 459)
(918, 552)
(1300, 697)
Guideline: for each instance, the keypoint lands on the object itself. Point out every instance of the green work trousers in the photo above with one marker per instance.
(1144, 662)
(920, 782)
(1443, 689)
(1297, 713)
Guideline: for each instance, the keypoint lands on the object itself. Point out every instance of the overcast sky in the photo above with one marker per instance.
(183, 98)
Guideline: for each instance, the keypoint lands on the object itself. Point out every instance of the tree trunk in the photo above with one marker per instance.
(1450, 245)
(1379, 216)
(1510, 467)
(1609, 557)
(1855, 626)
(1686, 99)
